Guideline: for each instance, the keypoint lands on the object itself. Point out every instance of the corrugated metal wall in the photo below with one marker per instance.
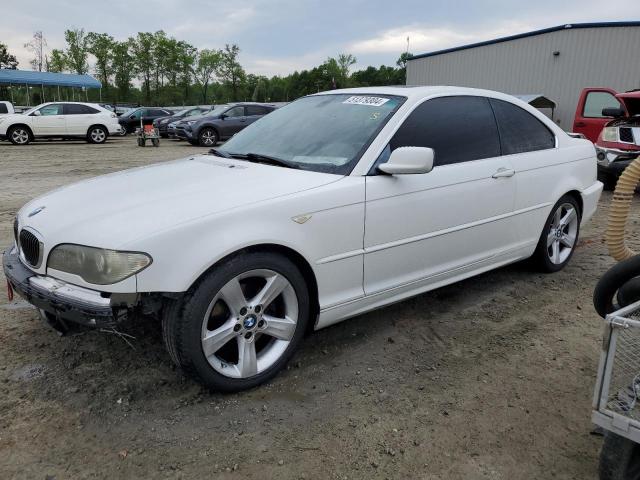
(589, 57)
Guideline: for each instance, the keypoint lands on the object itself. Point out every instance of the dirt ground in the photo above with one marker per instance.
(489, 378)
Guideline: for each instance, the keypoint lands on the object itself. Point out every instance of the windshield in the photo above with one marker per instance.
(322, 133)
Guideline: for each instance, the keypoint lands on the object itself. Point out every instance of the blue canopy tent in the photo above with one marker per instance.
(46, 79)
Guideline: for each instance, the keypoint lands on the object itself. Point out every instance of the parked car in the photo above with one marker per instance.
(131, 120)
(221, 123)
(162, 123)
(6, 108)
(336, 204)
(60, 120)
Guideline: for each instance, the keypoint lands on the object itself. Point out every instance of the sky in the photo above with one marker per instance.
(280, 36)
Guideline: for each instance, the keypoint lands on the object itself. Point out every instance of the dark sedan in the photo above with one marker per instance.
(162, 123)
(221, 123)
(131, 120)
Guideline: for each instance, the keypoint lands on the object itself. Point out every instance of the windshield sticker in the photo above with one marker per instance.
(371, 101)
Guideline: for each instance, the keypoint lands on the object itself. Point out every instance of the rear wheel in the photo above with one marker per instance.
(241, 323)
(155, 142)
(208, 137)
(141, 142)
(559, 236)
(19, 135)
(97, 135)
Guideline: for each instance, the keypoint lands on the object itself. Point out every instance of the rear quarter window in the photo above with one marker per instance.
(3, 108)
(519, 130)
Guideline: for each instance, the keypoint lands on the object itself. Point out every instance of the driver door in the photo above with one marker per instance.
(49, 120)
(234, 121)
(421, 229)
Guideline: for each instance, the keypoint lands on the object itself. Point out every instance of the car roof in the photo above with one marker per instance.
(417, 92)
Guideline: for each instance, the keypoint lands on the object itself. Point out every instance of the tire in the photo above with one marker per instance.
(619, 458)
(19, 135)
(141, 142)
(194, 143)
(252, 344)
(622, 283)
(559, 236)
(97, 135)
(155, 142)
(208, 137)
(609, 180)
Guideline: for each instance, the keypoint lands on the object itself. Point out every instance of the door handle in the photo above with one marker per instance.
(503, 172)
(580, 124)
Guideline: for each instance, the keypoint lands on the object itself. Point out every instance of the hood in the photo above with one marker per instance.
(112, 210)
(631, 102)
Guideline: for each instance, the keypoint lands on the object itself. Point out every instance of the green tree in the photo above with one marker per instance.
(100, 45)
(185, 63)
(142, 51)
(345, 61)
(230, 70)
(123, 66)
(57, 62)
(402, 59)
(77, 52)
(7, 60)
(208, 63)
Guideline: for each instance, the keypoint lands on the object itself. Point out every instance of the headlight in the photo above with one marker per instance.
(610, 134)
(191, 122)
(97, 265)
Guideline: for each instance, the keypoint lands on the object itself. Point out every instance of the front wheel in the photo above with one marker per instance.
(208, 137)
(619, 458)
(155, 142)
(559, 236)
(19, 135)
(241, 323)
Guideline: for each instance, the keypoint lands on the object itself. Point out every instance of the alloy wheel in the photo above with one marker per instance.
(98, 135)
(20, 136)
(208, 138)
(562, 234)
(250, 323)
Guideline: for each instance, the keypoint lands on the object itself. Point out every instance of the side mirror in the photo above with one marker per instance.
(36, 113)
(223, 116)
(613, 112)
(407, 160)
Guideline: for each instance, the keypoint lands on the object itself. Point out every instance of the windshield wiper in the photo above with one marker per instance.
(219, 153)
(260, 158)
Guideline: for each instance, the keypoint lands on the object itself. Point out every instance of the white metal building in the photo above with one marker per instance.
(556, 62)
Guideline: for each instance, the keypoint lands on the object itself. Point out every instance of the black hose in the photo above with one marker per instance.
(618, 287)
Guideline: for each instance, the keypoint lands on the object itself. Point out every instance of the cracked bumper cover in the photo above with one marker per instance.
(64, 300)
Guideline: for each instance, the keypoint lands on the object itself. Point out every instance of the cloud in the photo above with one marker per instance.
(424, 38)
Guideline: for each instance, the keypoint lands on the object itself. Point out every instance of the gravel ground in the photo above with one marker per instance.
(489, 378)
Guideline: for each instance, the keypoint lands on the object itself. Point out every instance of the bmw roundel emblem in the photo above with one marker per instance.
(36, 211)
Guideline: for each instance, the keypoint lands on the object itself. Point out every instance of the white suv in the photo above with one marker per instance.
(60, 120)
(334, 205)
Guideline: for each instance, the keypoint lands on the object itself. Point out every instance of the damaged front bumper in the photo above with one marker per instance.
(62, 300)
(614, 160)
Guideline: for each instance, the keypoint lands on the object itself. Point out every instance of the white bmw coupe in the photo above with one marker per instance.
(333, 205)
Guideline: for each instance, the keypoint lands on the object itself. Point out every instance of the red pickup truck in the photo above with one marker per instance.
(611, 120)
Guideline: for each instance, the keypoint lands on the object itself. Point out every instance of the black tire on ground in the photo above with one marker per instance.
(619, 458)
(141, 142)
(621, 282)
(609, 180)
(97, 135)
(208, 137)
(19, 135)
(194, 143)
(182, 320)
(155, 142)
(540, 257)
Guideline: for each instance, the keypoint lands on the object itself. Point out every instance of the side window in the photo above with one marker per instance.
(459, 129)
(3, 108)
(519, 130)
(137, 114)
(51, 110)
(157, 113)
(195, 111)
(596, 101)
(256, 110)
(235, 112)
(76, 109)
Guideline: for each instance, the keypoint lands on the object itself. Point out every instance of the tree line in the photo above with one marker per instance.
(173, 72)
